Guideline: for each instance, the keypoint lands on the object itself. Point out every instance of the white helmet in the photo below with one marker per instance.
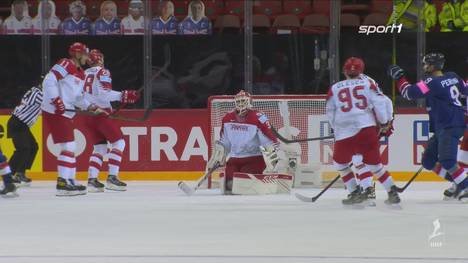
(243, 102)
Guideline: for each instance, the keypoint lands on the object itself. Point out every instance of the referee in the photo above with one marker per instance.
(18, 128)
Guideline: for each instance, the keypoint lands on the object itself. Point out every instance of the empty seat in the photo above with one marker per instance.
(268, 7)
(381, 6)
(316, 23)
(227, 22)
(300, 8)
(285, 24)
(234, 7)
(376, 19)
(350, 20)
(260, 20)
(214, 8)
(321, 6)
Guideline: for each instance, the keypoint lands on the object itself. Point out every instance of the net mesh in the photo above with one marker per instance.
(294, 117)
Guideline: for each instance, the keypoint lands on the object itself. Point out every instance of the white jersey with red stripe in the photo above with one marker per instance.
(98, 87)
(354, 104)
(242, 136)
(13, 26)
(130, 26)
(64, 80)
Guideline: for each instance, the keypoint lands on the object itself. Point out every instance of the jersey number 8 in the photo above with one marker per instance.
(345, 97)
(455, 94)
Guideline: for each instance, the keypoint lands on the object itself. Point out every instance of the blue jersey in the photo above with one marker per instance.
(190, 27)
(161, 27)
(102, 27)
(70, 26)
(442, 95)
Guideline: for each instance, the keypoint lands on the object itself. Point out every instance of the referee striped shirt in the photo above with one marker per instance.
(30, 106)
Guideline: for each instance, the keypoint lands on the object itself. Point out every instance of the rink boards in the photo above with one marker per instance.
(173, 145)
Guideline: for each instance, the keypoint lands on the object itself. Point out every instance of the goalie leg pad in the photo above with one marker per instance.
(260, 184)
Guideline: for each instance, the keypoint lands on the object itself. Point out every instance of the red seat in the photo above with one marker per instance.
(261, 24)
(224, 22)
(355, 8)
(214, 8)
(268, 7)
(350, 20)
(321, 6)
(122, 7)
(376, 19)
(286, 23)
(234, 7)
(382, 6)
(180, 8)
(316, 23)
(300, 8)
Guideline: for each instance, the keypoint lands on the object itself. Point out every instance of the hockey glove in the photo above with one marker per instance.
(59, 106)
(218, 157)
(386, 129)
(395, 72)
(130, 96)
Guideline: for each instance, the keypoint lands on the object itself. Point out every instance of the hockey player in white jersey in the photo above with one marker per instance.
(247, 139)
(46, 11)
(353, 107)
(63, 91)
(101, 129)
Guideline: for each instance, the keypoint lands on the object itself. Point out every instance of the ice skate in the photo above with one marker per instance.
(94, 186)
(451, 193)
(353, 198)
(368, 196)
(21, 180)
(393, 197)
(113, 183)
(9, 190)
(65, 188)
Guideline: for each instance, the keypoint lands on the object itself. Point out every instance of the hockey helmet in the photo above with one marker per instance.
(95, 57)
(77, 47)
(243, 102)
(353, 66)
(434, 59)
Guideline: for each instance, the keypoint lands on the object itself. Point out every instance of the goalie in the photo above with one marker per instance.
(247, 138)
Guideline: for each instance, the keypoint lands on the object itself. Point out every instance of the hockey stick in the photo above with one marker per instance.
(304, 198)
(402, 189)
(145, 116)
(281, 138)
(189, 190)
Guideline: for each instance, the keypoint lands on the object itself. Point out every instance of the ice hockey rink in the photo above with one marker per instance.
(154, 222)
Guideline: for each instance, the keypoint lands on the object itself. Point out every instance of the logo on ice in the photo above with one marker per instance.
(371, 29)
(437, 237)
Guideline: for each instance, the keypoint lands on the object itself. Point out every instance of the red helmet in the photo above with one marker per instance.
(95, 57)
(77, 47)
(353, 66)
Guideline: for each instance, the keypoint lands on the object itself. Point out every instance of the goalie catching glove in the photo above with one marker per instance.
(218, 157)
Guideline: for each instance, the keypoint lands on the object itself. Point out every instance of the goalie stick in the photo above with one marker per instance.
(189, 190)
(283, 139)
(304, 198)
(402, 189)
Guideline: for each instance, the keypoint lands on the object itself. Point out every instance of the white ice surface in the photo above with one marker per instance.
(154, 222)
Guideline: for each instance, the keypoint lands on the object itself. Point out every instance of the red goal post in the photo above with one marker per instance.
(294, 116)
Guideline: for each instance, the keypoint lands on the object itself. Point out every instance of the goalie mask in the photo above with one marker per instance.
(243, 102)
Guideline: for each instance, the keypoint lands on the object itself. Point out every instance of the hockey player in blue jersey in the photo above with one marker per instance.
(442, 92)
(9, 187)
(166, 23)
(108, 23)
(77, 23)
(196, 23)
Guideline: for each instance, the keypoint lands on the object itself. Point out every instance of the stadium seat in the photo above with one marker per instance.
(230, 22)
(268, 7)
(300, 8)
(350, 20)
(355, 8)
(286, 24)
(321, 6)
(316, 23)
(234, 7)
(122, 8)
(180, 8)
(261, 23)
(62, 9)
(381, 6)
(213, 8)
(376, 19)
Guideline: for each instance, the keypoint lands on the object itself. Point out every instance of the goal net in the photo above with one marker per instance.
(294, 117)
